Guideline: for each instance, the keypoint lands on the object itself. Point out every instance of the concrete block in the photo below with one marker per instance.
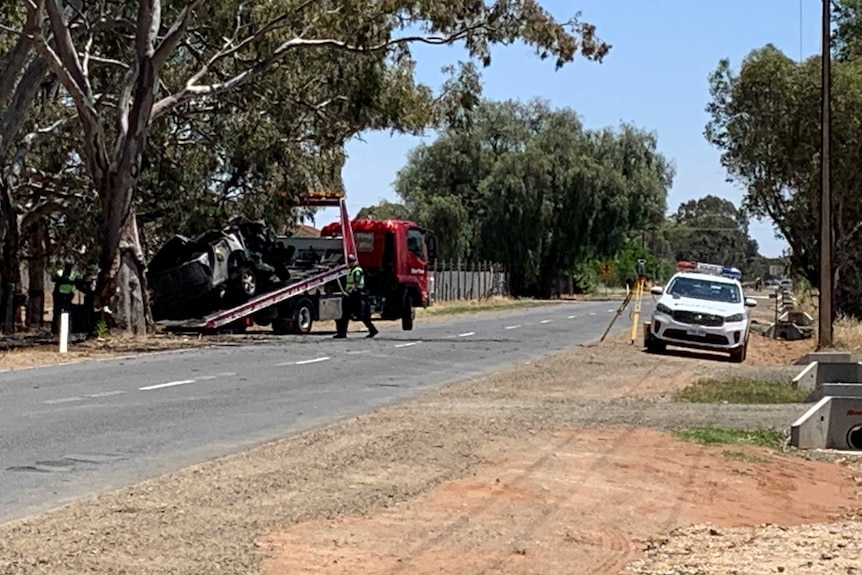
(817, 373)
(826, 357)
(840, 390)
(832, 423)
(807, 378)
(800, 318)
(810, 430)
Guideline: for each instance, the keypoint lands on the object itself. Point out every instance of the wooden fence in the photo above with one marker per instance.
(453, 281)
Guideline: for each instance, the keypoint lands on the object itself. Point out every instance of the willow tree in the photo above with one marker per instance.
(528, 186)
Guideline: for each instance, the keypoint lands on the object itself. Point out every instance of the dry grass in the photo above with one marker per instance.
(846, 331)
(473, 306)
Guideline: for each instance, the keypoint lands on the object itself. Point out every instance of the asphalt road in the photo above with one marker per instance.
(74, 430)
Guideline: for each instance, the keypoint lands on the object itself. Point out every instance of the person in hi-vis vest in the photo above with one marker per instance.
(354, 303)
(65, 281)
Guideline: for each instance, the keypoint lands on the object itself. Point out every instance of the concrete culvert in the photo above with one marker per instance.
(854, 437)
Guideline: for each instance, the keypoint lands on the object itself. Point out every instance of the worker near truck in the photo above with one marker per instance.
(65, 282)
(355, 303)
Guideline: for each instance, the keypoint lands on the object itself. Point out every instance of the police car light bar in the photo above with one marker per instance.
(712, 269)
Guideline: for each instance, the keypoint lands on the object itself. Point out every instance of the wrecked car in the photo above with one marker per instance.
(219, 268)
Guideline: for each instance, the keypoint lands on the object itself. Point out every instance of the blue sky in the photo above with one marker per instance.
(655, 76)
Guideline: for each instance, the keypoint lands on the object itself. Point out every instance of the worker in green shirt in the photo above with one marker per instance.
(65, 281)
(355, 304)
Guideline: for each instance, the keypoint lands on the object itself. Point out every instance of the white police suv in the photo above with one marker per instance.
(702, 307)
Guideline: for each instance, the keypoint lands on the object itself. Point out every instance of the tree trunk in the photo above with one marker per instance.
(10, 263)
(121, 284)
(37, 242)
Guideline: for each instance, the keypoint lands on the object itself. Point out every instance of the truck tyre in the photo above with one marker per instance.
(303, 317)
(408, 314)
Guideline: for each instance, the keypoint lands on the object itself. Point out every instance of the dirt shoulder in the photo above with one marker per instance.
(566, 461)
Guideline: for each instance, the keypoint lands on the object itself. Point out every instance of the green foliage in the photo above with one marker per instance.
(385, 210)
(765, 119)
(530, 187)
(724, 436)
(712, 230)
(625, 264)
(741, 391)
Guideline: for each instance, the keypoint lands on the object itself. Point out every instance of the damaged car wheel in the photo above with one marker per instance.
(246, 283)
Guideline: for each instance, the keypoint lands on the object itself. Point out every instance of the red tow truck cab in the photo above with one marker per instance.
(395, 255)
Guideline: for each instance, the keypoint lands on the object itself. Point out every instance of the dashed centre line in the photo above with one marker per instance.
(168, 384)
(468, 334)
(409, 344)
(64, 400)
(315, 360)
(571, 317)
(216, 376)
(546, 321)
(512, 327)
(105, 394)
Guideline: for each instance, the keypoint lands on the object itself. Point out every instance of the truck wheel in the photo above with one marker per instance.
(303, 317)
(408, 314)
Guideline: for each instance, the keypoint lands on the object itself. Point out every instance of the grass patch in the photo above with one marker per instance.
(723, 436)
(741, 391)
(475, 306)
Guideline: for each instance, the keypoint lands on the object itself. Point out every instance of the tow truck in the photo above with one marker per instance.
(312, 294)
(395, 255)
(702, 307)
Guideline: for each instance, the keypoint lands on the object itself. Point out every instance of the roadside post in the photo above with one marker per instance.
(64, 332)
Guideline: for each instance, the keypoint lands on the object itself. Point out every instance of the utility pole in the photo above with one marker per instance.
(824, 333)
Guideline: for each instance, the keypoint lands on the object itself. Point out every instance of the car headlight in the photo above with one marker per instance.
(735, 317)
(663, 309)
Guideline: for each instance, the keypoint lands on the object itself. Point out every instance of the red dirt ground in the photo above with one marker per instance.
(585, 498)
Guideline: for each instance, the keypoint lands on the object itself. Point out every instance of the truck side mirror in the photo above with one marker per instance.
(431, 245)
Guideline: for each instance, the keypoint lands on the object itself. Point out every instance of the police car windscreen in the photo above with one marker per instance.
(697, 288)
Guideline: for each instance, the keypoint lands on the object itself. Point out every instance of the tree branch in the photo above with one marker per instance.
(175, 35)
(193, 90)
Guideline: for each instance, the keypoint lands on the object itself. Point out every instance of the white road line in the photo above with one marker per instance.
(468, 334)
(571, 317)
(106, 394)
(64, 400)
(168, 384)
(611, 310)
(216, 376)
(592, 313)
(411, 344)
(358, 352)
(315, 360)
(546, 321)
(512, 327)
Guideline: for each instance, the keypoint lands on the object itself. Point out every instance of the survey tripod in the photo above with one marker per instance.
(636, 292)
